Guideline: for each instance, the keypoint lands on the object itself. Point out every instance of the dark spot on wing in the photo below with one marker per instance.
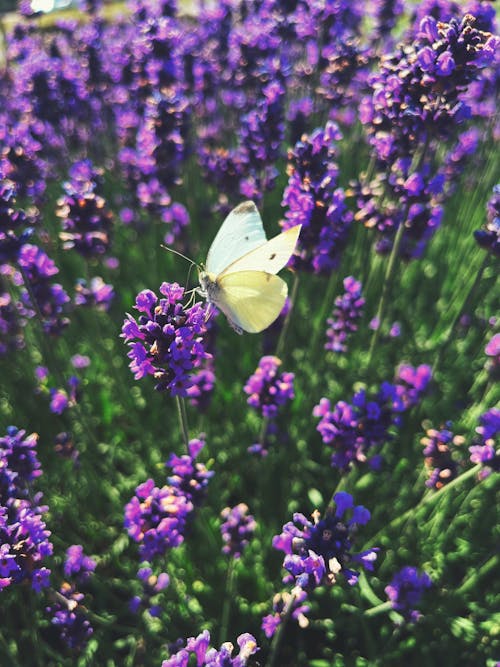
(245, 207)
(272, 256)
(247, 238)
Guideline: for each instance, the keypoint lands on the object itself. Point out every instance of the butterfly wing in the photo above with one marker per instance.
(251, 299)
(270, 257)
(241, 232)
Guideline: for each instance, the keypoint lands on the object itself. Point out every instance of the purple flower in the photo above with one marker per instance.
(486, 449)
(167, 339)
(237, 529)
(411, 383)
(317, 552)
(439, 462)
(315, 201)
(406, 590)
(492, 350)
(86, 220)
(77, 563)
(97, 293)
(348, 310)
(80, 361)
(69, 616)
(11, 325)
(271, 622)
(210, 657)
(488, 236)
(188, 475)
(152, 584)
(267, 389)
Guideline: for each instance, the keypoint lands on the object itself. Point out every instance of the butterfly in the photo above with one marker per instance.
(240, 272)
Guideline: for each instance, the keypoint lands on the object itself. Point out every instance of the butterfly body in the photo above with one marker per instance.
(239, 277)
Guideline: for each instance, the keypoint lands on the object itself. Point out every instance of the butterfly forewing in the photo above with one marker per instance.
(270, 257)
(241, 232)
(251, 299)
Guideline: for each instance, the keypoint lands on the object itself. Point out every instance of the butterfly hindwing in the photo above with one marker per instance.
(241, 232)
(251, 299)
(270, 257)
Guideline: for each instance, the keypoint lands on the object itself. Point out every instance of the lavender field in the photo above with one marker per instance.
(175, 492)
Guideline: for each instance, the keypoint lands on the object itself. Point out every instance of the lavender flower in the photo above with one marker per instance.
(486, 451)
(489, 236)
(317, 552)
(96, 294)
(156, 518)
(210, 657)
(297, 598)
(167, 339)
(406, 590)
(492, 350)
(24, 538)
(348, 310)
(411, 383)
(78, 564)
(11, 325)
(267, 389)
(86, 220)
(152, 584)
(237, 529)
(50, 298)
(70, 617)
(315, 201)
(439, 462)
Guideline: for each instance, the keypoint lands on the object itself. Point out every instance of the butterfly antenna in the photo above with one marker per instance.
(176, 252)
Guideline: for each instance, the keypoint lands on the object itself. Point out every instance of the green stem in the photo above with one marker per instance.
(460, 312)
(286, 324)
(278, 636)
(228, 598)
(379, 609)
(327, 302)
(491, 565)
(181, 412)
(430, 499)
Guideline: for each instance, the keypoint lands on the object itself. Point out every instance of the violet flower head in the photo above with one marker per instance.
(69, 615)
(97, 294)
(156, 518)
(237, 529)
(86, 220)
(411, 383)
(492, 350)
(210, 657)
(166, 341)
(281, 601)
(24, 538)
(348, 310)
(11, 325)
(152, 585)
(488, 237)
(441, 467)
(77, 564)
(189, 476)
(486, 449)
(315, 201)
(406, 590)
(50, 298)
(317, 552)
(15, 227)
(267, 388)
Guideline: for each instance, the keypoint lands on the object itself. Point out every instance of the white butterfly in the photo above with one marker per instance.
(239, 276)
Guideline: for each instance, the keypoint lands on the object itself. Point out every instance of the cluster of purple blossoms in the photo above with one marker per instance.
(237, 529)
(210, 657)
(156, 517)
(486, 451)
(85, 218)
(416, 106)
(281, 602)
(348, 310)
(69, 616)
(167, 339)
(16, 225)
(77, 564)
(11, 325)
(64, 446)
(489, 236)
(317, 552)
(267, 388)
(60, 399)
(354, 429)
(492, 350)
(314, 200)
(97, 294)
(406, 590)
(441, 466)
(24, 538)
(48, 299)
(152, 584)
